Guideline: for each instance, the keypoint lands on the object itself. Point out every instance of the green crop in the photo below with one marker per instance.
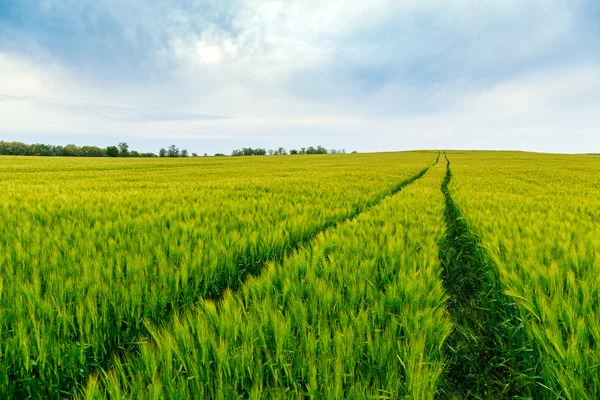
(538, 217)
(93, 249)
(416, 275)
(359, 313)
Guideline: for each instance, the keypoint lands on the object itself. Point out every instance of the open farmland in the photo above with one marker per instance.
(395, 275)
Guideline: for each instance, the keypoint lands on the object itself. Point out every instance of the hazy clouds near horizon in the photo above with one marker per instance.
(368, 76)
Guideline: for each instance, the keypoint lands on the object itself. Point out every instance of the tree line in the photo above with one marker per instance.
(122, 150)
(248, 151)
(70, 150)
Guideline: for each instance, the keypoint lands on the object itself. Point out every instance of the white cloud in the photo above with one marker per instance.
(536, 111)
(280, 68)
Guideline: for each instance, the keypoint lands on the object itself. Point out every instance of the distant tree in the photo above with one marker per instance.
(194, 154)
(70, 150)
(308, 150)
(270, 152)
(57, 150)
(123, 149)
(134, 153)
(219, 155)
(321, 150)
(248, 151)
(91, 151)
(162, 153)
(205, 154)
(14, 148)
(39, 149)
(184, 153)
(173, 151)
(112, 151)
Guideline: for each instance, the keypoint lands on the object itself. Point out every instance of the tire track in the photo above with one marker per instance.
(488, 347)
(253, 267)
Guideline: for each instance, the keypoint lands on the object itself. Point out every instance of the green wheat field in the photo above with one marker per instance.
(411, 275)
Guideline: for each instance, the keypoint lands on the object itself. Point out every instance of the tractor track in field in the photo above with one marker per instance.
(484, 352)
(253, 267)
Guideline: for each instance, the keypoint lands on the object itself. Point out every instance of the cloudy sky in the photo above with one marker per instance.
(214, 75)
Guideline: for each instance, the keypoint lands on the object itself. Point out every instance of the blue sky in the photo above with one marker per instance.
(382, 75)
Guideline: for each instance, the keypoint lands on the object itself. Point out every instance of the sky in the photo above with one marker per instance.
(382, 75)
